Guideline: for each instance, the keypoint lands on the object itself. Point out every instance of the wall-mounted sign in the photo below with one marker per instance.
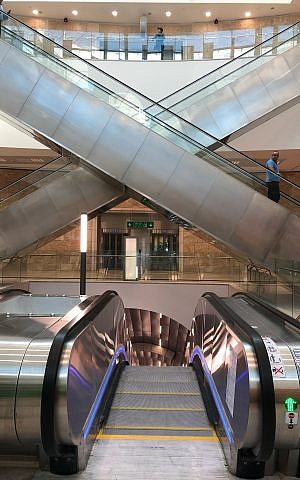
(139, 224)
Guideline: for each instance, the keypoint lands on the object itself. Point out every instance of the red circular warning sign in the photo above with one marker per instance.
(291, 415)
(290, 426)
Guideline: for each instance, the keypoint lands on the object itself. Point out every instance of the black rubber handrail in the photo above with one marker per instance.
(275, 315)
(10, 291)
(231, 61)
(152, 117)
(89, 309)
(268, 402)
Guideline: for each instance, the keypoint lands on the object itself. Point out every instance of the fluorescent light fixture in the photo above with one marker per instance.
(247, 14)
(114, 13)
(208, 14)
(35, 12)
(83, 232)
(75, 12)
(168, 13)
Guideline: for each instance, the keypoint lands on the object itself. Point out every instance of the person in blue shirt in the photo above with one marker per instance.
(159, 41)
(273, 177)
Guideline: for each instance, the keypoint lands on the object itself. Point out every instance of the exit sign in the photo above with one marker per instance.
(134, 224)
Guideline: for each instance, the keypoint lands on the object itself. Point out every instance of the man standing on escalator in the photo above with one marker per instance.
(273, 177)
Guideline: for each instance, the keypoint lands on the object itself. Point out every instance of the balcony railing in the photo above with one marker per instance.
(215, 45)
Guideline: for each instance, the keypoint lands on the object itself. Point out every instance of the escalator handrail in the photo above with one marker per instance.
(268, 402)
(6, 199)
(32, 172)
(10, 291)
(231, 61)
(153, 117)
(276, 315)
(89, 308)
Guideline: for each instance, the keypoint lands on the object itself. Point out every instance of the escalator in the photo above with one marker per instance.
(150, 421)
(64, 189)
(243, 93)
(153, 159)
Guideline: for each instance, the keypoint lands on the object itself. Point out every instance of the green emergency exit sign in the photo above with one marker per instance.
(290, 404)
(135, 224)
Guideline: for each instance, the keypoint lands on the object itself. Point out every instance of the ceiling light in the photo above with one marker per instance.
(35, 12)
(114, 13)
(168, 13)
(75, 12)
(247, 14)
(208, 14)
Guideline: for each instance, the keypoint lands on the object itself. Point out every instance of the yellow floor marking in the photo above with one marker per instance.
(157, 393)
(157, 437)
(163, 409)
(157, 427)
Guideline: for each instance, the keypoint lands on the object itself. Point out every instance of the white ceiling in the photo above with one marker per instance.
(130, 13)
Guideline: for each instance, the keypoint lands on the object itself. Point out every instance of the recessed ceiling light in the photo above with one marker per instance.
(168, 13)
(247, 14)
(114, 13)
(35, 12)
(208, 14)
(75, 12)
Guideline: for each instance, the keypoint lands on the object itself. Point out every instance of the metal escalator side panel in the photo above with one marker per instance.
(76, 367)
(281, 338)
(16, 335)
(30, 384)
(232, 364)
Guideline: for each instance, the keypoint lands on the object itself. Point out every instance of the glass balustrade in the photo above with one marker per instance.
(211, 45)
(280, 288)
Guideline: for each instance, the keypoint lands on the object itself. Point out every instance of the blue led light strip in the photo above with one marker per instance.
(120, 351)
(226, 425)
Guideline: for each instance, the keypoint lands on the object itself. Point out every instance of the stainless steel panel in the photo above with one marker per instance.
(153, 165)
(279, 81)
(84, 362)
(84, 120)
(213, 213)
(24, 74)
(28, 397)
(285, 386)
(269, 220)
(118, 145)
(38, 305)
(188, 187)
(46, 105)
(253, 96)
(16, 334)
(232, 366)
(287, 240)
(4, 49)
(225, 106)
(292, 57)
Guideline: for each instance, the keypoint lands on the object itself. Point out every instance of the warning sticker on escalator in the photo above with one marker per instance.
(277, 367)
